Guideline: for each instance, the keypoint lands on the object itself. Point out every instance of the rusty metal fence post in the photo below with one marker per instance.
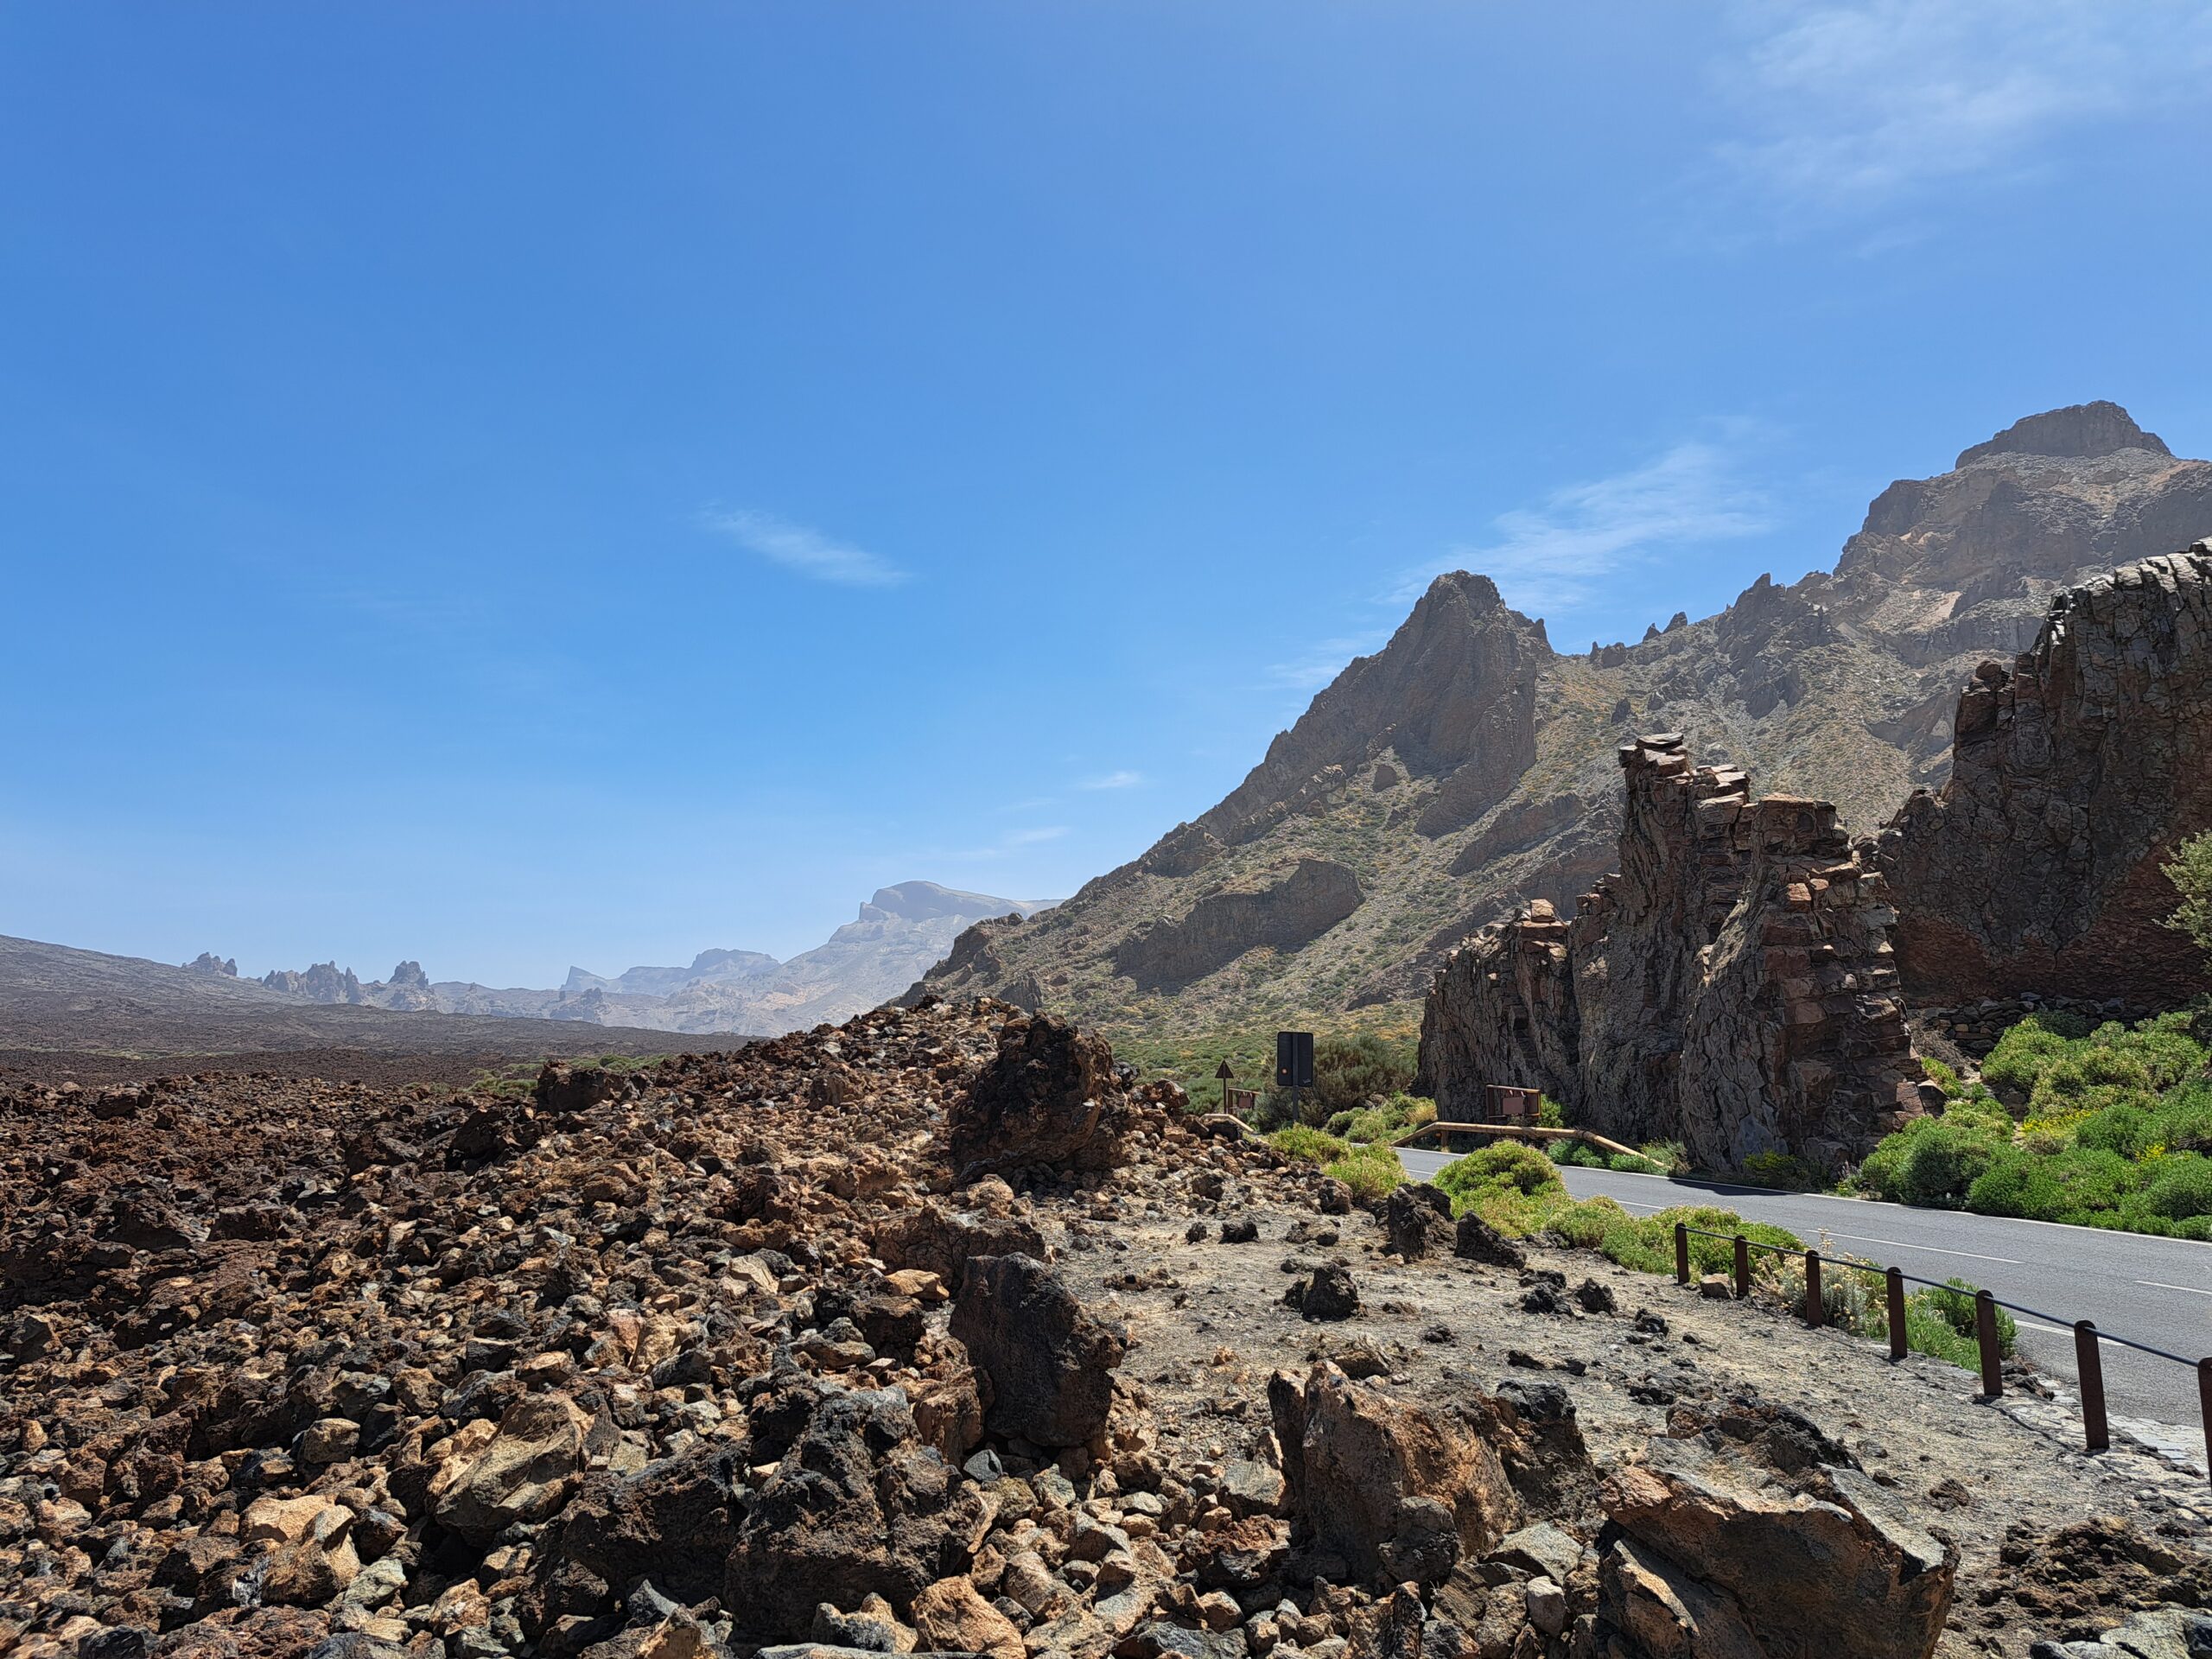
(2204, 1406)
(1985, 1331)
(1898, 1345)
(2090, 1363)
(1681, 1253)
(1815, 1312)
(1743, 1268)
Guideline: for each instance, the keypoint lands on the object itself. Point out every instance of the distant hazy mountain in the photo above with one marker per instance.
(898, 935)
(59, 1001)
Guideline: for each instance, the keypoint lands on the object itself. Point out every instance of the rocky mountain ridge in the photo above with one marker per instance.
(1469, 767)
(897, 934)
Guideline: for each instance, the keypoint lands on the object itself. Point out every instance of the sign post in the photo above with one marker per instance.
(1293, 1062)
(1224, 1074)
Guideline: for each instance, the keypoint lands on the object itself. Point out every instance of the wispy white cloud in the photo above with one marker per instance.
(1559, 555)
(807, 551)
(1030, 838)
(1855, 105)
(1324, 659)
(1124, 779)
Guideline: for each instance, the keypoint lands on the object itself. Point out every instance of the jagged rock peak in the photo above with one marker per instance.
(2084, 429)
(1454, 688)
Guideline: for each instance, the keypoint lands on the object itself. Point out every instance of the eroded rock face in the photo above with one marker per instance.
(1047, 1362)
(1732, 986)
(1048, 1100)
(1712, 1557)
(1284, 909)
(2074, 776)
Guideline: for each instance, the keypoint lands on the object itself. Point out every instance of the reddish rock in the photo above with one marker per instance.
(1731, 986)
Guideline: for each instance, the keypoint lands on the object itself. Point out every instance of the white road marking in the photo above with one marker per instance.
(2193, 1290)
(2029, 1325)
(1898, 1244)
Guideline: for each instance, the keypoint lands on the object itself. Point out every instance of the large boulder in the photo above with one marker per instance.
(1397, 1492)
(1417, 1217)
(858, 1506)
(522, 1468)
(673, 1522)
(1047, 1362)
(1715, 1553)
(1476, 1239)
(1049, 1099)
(952, 1617)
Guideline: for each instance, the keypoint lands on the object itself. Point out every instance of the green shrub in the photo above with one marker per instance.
(2124, 1127)
(1384, 1122)
(2066, 1084)
(1600, 1224)
(1953, 1304)
(2164, 1045)
(2179, 1186)
(2076, 1185)
(2023, 1053)
(1369, 1171)
(1503, 1163)
(1512, 1186)
(1672, 1156)
(2192, 874)
(1313, 1146)
(1717, 1255)
(1932, 1162)
(2185, 1118)
(1549, 1114)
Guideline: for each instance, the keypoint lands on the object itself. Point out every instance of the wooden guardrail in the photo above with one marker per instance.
(1515, 1132)
(2088, 1361)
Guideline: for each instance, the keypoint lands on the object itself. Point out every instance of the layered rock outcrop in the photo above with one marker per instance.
(1732, 986)
(2075, 775)
(1284, 909)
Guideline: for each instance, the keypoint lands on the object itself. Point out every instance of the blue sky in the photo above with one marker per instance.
(512, 486)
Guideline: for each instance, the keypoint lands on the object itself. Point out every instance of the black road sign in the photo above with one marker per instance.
(1293, 1059)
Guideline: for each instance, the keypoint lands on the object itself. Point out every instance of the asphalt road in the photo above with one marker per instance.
(2154, 1290)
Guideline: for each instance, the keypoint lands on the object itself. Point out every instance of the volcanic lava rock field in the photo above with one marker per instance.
(932, 1333)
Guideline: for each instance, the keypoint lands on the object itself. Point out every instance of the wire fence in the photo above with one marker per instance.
(2088, 1339)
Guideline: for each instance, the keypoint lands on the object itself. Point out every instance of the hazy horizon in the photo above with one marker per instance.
(513, 490)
